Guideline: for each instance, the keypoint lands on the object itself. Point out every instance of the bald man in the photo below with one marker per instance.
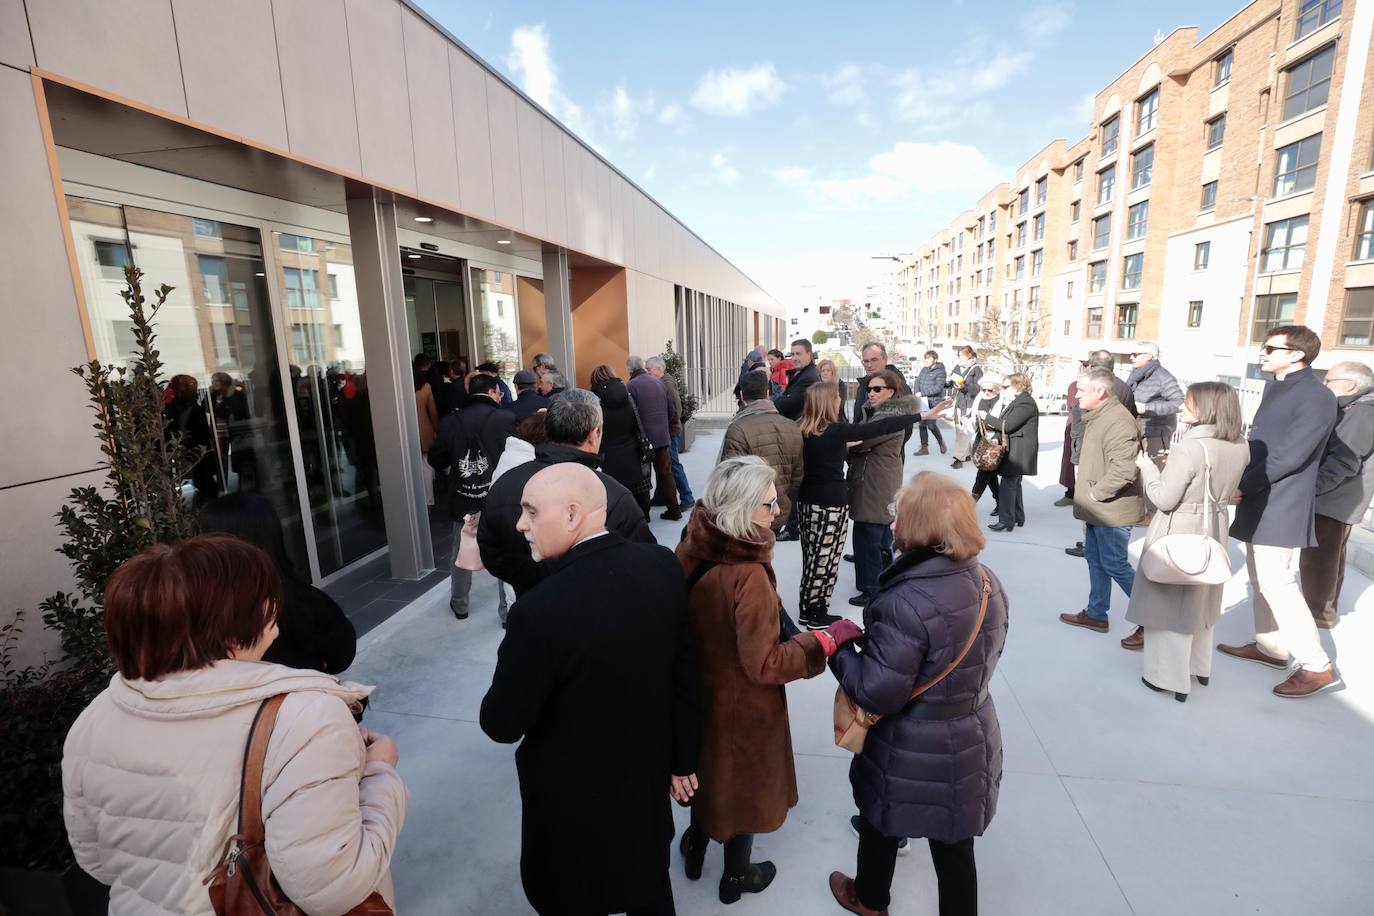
(597, 678)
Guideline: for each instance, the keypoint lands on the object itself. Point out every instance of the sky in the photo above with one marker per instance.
(803, 140)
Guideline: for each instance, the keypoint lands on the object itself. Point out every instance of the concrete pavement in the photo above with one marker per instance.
(1115, 800)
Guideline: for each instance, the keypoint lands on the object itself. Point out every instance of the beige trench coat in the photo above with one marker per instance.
(1177, 494)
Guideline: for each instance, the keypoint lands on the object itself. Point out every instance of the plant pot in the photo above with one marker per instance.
(39, 892)
(689, 435)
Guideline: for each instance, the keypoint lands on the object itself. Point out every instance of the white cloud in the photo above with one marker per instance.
(940, 100)
(1047, 19)
(531, 61)
(911, 169)
(735, 93)
(623, 110)
(791, 175)
(722, 172)
(845, 86)
(1085, 109)
(672, 115)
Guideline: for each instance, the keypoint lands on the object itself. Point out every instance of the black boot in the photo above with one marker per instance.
(817, 618)
(741, 877)
(693, 846)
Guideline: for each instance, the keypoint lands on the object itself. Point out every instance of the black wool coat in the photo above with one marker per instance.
(1287, 440)
(920, 777)
(313, 631)
(619, 434)
(791, 401)
(1019, 424)
(601, 687)
(506, 553)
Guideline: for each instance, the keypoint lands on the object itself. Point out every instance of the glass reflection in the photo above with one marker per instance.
(498, 322)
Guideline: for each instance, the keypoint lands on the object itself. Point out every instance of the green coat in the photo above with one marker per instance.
(1108, 491)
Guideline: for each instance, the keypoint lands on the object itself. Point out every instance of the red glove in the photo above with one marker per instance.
(843, 631)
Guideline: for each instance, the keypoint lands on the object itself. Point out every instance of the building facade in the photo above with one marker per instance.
(331, 186)
(1226, 186)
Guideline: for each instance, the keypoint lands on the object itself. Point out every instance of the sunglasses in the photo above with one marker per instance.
(1267, 349)
(877, 387)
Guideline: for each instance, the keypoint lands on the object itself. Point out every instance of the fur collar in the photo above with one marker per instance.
(705, 541)
(899, 405)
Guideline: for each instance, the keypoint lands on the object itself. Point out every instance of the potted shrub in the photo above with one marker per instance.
(672, 366)
(139, 504)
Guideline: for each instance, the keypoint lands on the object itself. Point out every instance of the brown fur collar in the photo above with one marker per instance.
(704, 541)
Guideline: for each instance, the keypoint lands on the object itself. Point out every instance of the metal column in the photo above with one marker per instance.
(558, 311)
(386, 345)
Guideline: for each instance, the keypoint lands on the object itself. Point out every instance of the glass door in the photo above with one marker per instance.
(496, 319)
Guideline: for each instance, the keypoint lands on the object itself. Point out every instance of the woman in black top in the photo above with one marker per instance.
(620, 436)
(823, 498)
(314, 633)
(1018, 423)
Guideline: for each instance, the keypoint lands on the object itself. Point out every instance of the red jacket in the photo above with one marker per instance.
(779, 372)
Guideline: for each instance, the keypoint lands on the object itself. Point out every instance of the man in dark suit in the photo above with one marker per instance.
(604, 691)
(469, 445)
(1276, 514)
(573, 426)
(528, 400)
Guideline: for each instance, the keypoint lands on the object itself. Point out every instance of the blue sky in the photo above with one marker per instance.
(801, 138)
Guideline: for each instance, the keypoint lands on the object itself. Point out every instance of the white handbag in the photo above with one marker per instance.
(1189, 559)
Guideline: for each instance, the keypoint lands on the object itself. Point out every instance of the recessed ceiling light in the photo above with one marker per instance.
(413, 257)
(424, 219)
(259, 274)
(503, 241)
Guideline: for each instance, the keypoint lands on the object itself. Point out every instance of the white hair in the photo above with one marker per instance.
(735, 489)
(655, 362)
(1147, 346)
(634, 363)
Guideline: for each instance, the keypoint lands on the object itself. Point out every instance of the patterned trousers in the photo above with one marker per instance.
(823, 531)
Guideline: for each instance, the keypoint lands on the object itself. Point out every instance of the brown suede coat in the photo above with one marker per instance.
(746, 771)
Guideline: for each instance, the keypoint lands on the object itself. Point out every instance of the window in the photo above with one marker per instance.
(1222, 69)
(288, 242)
(1020, 267)
(1357, 321)
(1078, 170)
(1308, 84)
(1097, 276)
(1270, 312)
(1142, 167)
(1037, 262)
(1038, 228)
(1023, 200)
(1073, 250)
(1209, 196)
(1102, 232)
(1067, 325)
(1111, 133)
(112, 257)
(1042, 190)
(1125, 320)
(1216, 131)
(1020, 235)
(1313, 14)
(1297, 166)
(1074, 209)
(333, 286)
(1137, 219)
(214, 278)
(1147, 113)
(1106, 180)
(1033, 300)
(1134, 268)
(1285, 242)
(206, 228)
(301, 291)
(1364, 239)
(982, 227)
(1195, 313)
(1069, 292)
(992, 221)
(1202, 255)
(1093, 326)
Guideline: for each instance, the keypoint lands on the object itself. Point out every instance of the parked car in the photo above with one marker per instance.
(1052, 402)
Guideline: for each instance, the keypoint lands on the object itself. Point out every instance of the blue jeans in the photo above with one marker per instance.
(872, 554)
(684, 489)
(1105, 550)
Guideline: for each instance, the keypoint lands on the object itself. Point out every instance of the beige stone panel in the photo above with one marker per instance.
(31, 569)
(505, 153)
(377, 51)
(555, 190)
(215, 41)
(1297, 50)
(431, 111)
(572, 181)
(1366, 184)
(595, 190)
(317, 82)
(45, 435)
(92, 41)
(628, 214)
(1289, 207)
(1305, 126)
(472, 129)
(533, 188)
(615, 246)
(15, 47)
(1211, 166)
(1275, 284)
(1217, 102)
(1359, 274)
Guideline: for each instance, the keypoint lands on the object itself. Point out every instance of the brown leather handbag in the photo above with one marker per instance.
(852, 722)
(243, 884)
(990, 450)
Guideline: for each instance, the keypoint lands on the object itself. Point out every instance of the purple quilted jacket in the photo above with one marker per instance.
(917, 777)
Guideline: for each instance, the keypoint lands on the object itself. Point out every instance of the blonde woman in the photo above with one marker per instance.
(823, 498)
(1018, 426)
(829, 372)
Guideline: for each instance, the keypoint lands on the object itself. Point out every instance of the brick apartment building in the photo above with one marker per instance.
(1226, 186)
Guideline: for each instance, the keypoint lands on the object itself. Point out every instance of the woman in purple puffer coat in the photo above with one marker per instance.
(931, 767)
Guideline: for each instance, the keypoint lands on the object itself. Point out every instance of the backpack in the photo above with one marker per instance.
(471, 475)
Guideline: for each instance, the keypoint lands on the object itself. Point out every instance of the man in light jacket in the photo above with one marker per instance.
(1345, 484)
(758, 429)
(1157, 397)
(1276, 515)
(656, 416)
(1108, 497)
(1098, 359)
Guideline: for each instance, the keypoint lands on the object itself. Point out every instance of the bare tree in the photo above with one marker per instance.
(1015, 342)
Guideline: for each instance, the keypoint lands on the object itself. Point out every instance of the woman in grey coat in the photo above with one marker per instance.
(1176, 621)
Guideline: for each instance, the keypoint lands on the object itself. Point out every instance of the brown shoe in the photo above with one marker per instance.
(943, 448)
(1305, 683)
(1250, 652)
(1136, 641)
(919, 452)
(1081, 619)
(1324, 624)
(842, 886)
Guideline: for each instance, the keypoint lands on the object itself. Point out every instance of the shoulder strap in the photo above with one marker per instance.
(634, 409)
(973, 637)
(254, 762)
(699, 573)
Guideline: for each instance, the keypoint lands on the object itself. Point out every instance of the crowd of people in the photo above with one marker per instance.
(619, 711)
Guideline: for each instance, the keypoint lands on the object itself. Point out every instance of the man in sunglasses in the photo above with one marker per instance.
(1277, 497)
(1157, 397)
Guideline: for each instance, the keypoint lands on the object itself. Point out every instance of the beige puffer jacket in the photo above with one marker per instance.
(151, 772)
